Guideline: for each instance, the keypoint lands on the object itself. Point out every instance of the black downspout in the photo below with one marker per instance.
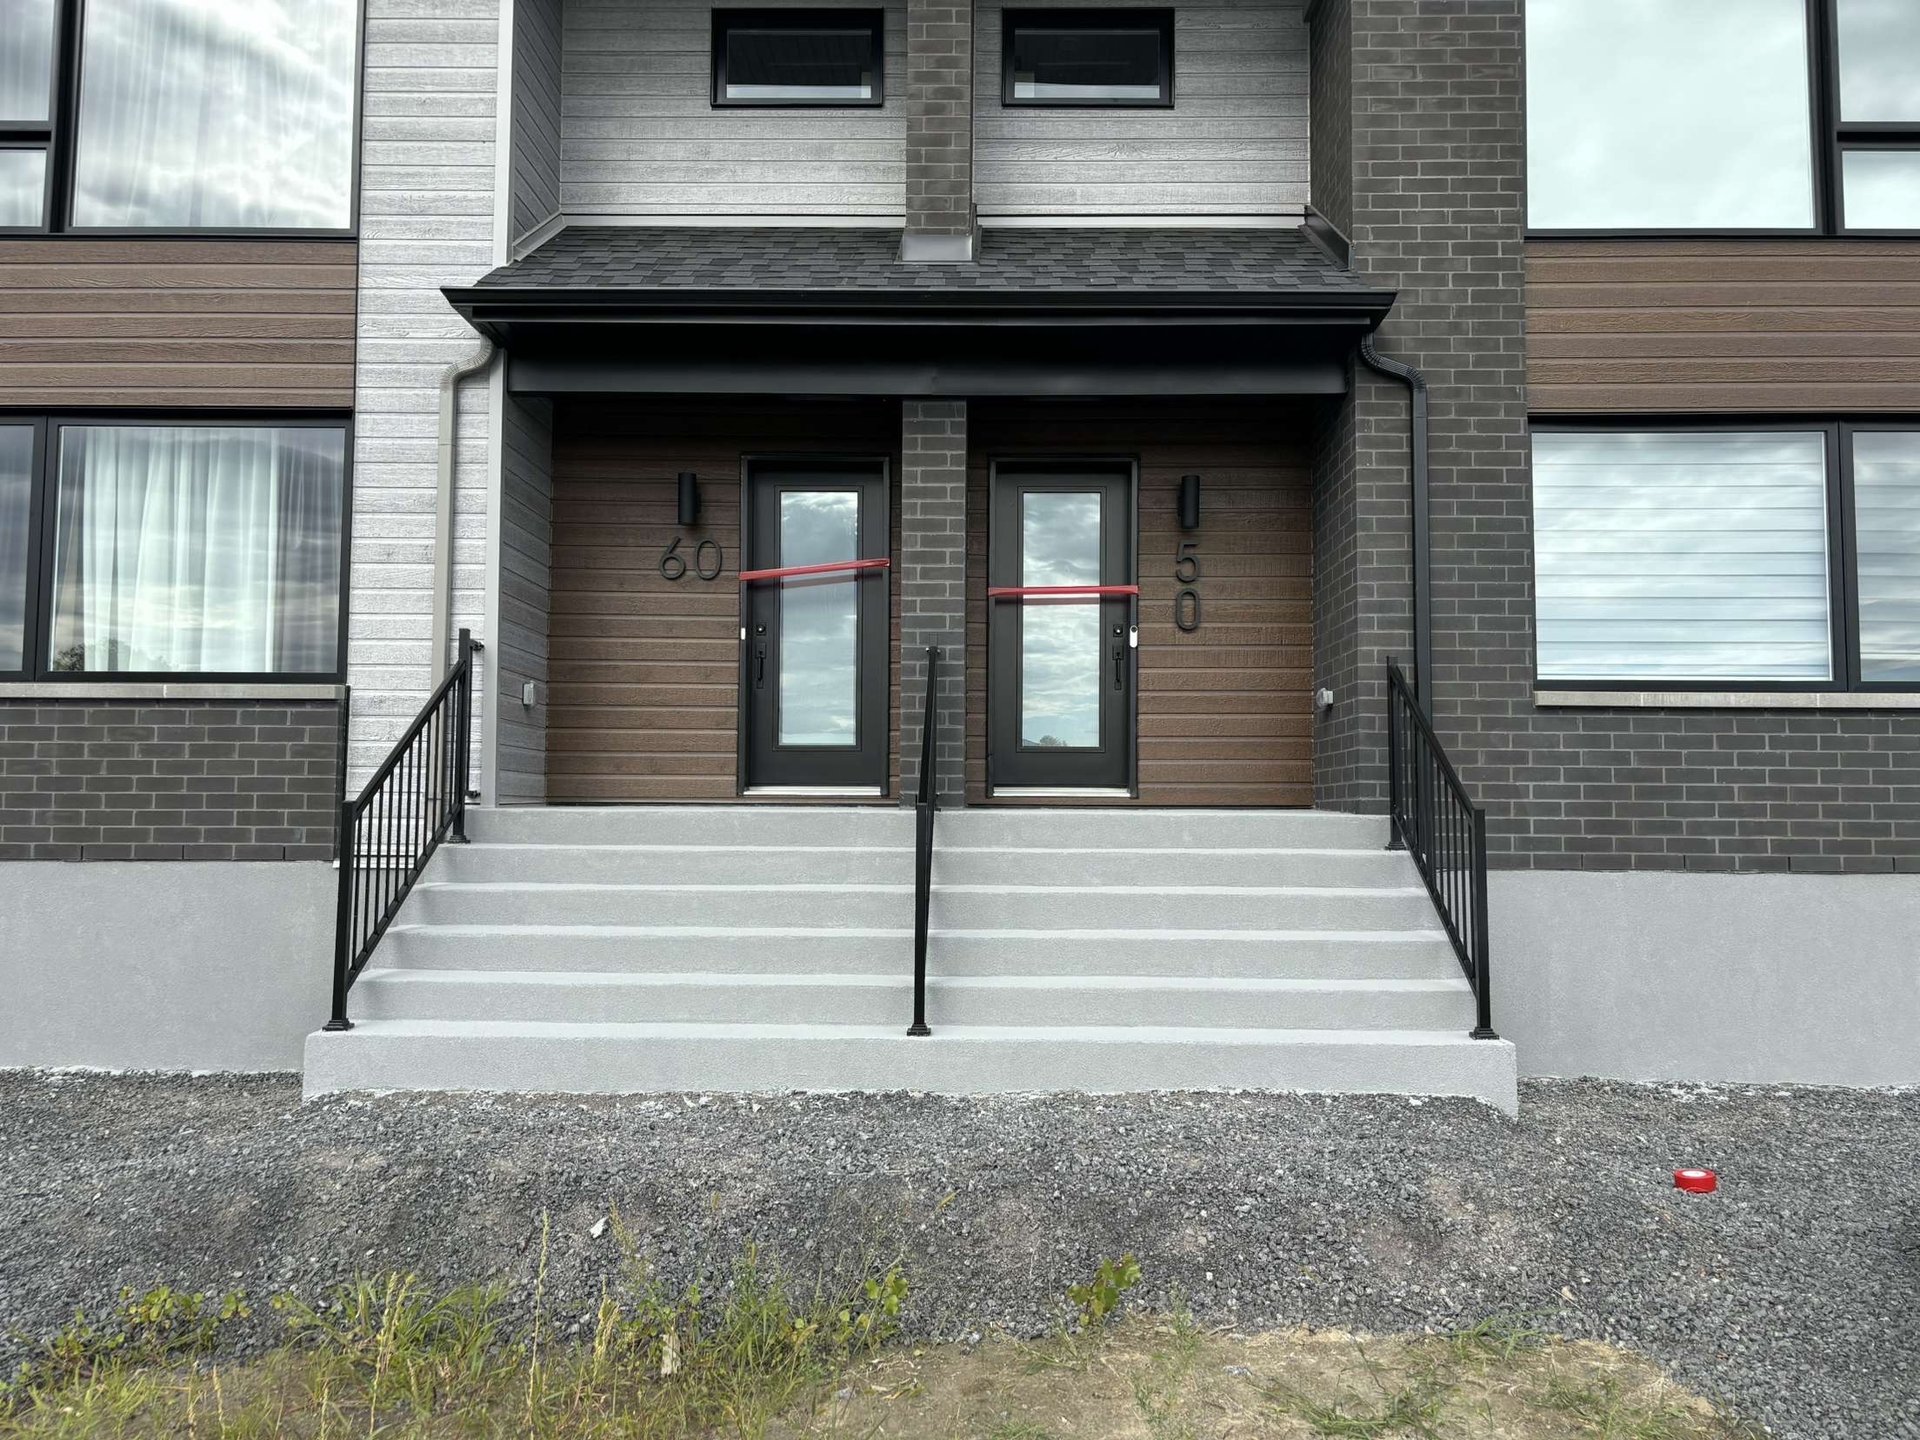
(1416, 384)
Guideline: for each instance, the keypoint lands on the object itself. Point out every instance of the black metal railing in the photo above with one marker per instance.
(416, 799)
(926, 804)
(1436, 822)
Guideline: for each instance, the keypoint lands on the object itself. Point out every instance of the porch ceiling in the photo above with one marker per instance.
(833, 311)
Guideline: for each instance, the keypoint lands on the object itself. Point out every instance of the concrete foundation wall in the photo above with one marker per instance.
(178, 966)
(1795, 978)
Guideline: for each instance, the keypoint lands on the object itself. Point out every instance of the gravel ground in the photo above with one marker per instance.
(1793, 1295)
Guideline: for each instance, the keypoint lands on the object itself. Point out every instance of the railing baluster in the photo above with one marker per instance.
(926, 803)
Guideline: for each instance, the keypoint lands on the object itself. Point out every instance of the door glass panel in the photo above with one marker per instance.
(26, 61)
(1882, 189)
(1879, 60)
(23, 189)
(819, 620)
(1060, 669)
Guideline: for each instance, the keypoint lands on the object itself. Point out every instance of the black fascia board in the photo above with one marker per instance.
(496, 310)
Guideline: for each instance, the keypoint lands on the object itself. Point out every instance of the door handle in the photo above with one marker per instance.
(1119, 666)
(759, 667)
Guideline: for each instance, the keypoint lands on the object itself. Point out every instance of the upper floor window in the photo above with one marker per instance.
(171, 549)
(178, 115)
(1728, 556)
(1683, 116)
(1103, 58)
(798, 57)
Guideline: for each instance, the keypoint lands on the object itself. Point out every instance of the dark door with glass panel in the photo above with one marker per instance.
(815, 677)
(1060, 665)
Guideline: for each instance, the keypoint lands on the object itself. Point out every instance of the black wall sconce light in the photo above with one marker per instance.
(1189, 502)
(689, 499)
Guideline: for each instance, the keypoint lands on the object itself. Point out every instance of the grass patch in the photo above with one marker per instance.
(764, 1357)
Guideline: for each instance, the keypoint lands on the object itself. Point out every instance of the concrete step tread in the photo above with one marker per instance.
(728, 979)
(621, 847)
(765, 932)
(546, 887)
(949, 1034)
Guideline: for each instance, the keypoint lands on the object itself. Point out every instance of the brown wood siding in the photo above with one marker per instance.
(1226, 712)
(643, 677)
(221, 324)
(1723, 326)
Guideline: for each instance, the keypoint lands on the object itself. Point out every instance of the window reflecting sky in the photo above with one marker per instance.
(1886, 484)
(216, 114)
(1668, 114)
(1882, 188)
(799, 64)
(1078, 63)
(26, 61)
(1880, 60)
(16, 483)
(23, 187)
(819, 619)
(1060, 649)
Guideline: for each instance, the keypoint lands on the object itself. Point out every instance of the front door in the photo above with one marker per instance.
(1061, 638)
(816, 617)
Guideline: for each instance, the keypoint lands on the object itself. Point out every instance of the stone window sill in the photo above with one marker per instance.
(1545, 699)
(70, 690)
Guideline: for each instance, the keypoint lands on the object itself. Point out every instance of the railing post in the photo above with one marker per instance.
(463, 729)
(343, 919)
(1483, 942)
(1394, 841)
(926, 803)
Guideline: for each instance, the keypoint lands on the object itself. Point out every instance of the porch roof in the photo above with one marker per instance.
(1040, 311)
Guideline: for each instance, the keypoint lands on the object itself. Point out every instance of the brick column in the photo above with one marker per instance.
(939, 132)
(933, 586)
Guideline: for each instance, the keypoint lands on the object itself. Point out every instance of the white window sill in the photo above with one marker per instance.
(64, 690)
(1545, 699)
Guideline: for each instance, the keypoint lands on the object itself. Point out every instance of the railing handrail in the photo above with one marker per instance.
(1449, 851)
(409, 822)
(925, 806)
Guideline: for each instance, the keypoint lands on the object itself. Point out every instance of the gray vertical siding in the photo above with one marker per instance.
(536, 114)
(428, 187)
(641, 136)
(526, 539)
(1234, 143)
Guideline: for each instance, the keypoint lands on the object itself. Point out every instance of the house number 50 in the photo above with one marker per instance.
(1186, 601)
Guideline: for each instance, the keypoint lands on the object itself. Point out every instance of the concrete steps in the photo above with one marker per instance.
(770, 948)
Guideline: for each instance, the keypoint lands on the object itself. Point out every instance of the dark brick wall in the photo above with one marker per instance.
(1438, 148)
(933, 587)
(167, 780)
(1330, 110)
(939, 118)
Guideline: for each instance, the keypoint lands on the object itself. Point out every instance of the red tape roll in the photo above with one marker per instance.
(1696, 1182)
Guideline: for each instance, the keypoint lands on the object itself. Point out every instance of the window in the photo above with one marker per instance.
(177, 549)
(1107, 58)
(178, 115)
(1783, 558)
(1690, 116)
(798, 57)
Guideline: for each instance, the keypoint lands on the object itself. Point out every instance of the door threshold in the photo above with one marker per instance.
(848, 792)
(1060, 792)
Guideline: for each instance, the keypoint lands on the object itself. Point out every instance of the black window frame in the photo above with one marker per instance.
(59, 138)
(1159, 19)
(1830, 139)
(809, 18)
(42, 511)
(1843, 587)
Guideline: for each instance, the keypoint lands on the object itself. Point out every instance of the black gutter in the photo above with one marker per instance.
(1422, 538)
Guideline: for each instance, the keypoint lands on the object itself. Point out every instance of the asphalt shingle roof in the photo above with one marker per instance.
(1173, 261)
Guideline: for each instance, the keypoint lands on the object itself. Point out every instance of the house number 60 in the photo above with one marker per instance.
(1186, 601)
(673, 565)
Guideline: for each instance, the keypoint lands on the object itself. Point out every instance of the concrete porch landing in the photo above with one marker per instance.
(761, 949)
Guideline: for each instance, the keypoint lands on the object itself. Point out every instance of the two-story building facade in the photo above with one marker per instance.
(1168, 370)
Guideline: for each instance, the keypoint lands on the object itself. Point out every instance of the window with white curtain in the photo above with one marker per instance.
(1683, 556)
(196, 549)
